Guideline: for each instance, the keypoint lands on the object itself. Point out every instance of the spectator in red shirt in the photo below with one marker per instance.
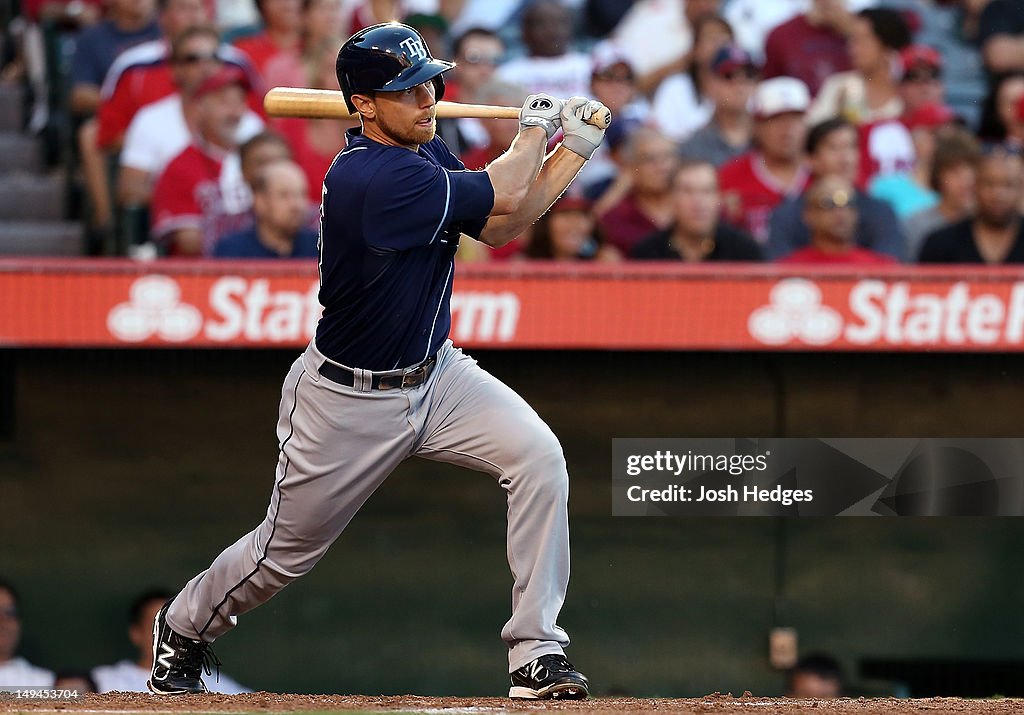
(649, 159)
(142, 75)
(161, 130)
(810, 47)
(831, 216)
(201, 194)
(755, 183)
(281, 35)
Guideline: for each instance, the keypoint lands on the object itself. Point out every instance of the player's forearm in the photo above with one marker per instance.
(558, 171)
(514, 172)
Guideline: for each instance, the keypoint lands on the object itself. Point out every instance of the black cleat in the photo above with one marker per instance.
(550, 676)
(178, 662)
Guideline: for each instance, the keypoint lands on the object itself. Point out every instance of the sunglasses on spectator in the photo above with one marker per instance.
(195, 58)
(479, 58)
(614, 76)
(748, 73)
(925, 76)
(836, 200)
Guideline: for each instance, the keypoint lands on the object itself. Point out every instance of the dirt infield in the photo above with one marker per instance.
(716, 703)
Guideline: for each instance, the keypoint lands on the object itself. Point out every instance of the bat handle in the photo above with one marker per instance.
(601, 119)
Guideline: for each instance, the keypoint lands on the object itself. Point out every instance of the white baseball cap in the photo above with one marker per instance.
(779, 95)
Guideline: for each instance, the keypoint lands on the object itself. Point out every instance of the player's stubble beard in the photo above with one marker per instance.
(408, 135)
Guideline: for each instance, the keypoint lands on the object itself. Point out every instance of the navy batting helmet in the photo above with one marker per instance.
(387, 58)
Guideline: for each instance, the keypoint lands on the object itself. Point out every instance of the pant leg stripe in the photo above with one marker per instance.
(273, 529)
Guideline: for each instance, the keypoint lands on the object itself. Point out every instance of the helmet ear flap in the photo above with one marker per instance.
(438, 87)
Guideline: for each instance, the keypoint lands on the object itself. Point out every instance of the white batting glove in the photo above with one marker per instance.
(580, 137)
(541, 110)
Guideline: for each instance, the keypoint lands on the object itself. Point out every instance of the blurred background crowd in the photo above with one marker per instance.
(798, 131)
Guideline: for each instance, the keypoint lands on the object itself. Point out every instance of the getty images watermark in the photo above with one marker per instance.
(817, 477)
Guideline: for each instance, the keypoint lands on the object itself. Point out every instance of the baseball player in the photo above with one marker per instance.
(381, 381)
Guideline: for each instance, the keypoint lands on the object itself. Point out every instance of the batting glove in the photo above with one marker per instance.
(541, 110)
(580, 137)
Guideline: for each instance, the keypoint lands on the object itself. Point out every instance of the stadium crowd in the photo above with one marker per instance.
(798, 131)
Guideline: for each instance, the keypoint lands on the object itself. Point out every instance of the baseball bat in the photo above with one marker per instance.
(330, 104)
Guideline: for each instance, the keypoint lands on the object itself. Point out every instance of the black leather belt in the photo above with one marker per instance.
(410, 377)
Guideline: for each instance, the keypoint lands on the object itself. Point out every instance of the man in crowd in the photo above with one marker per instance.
(831, 217)
(551, 65)
(810, 47)
(649, 160)
(832, 151)
(478, 52)
(730, 87)
(815, 676)
(697, 234)
(128, 23)
(15, 670)
(201, 194)
(163, 129)
(144, 74)
(755, 183)
(281, 208)
(995, 234)
(131, 675)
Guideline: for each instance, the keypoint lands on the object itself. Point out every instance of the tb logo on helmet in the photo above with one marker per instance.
(413, 46)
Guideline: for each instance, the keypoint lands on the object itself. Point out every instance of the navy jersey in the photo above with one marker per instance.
(389, 228)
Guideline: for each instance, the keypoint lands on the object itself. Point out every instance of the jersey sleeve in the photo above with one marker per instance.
(114, 114)
(410, 203)
(175, 206)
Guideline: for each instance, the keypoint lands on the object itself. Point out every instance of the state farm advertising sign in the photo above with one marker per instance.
(639, 307)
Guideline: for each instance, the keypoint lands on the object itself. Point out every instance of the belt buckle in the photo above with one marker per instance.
(413, 377)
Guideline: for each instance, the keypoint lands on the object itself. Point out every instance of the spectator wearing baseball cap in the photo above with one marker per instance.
(730, 87)
(753, 184)
(680, 104)
(832, 151)
(921, 78)
(613, 83)
(697, 234)
(831, 214)
(160, 131)
(870, 91)
(201, 195)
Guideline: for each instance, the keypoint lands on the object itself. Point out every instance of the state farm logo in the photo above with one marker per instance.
(891, 313)
(242, 310)
(154, 307)
(795, 311)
